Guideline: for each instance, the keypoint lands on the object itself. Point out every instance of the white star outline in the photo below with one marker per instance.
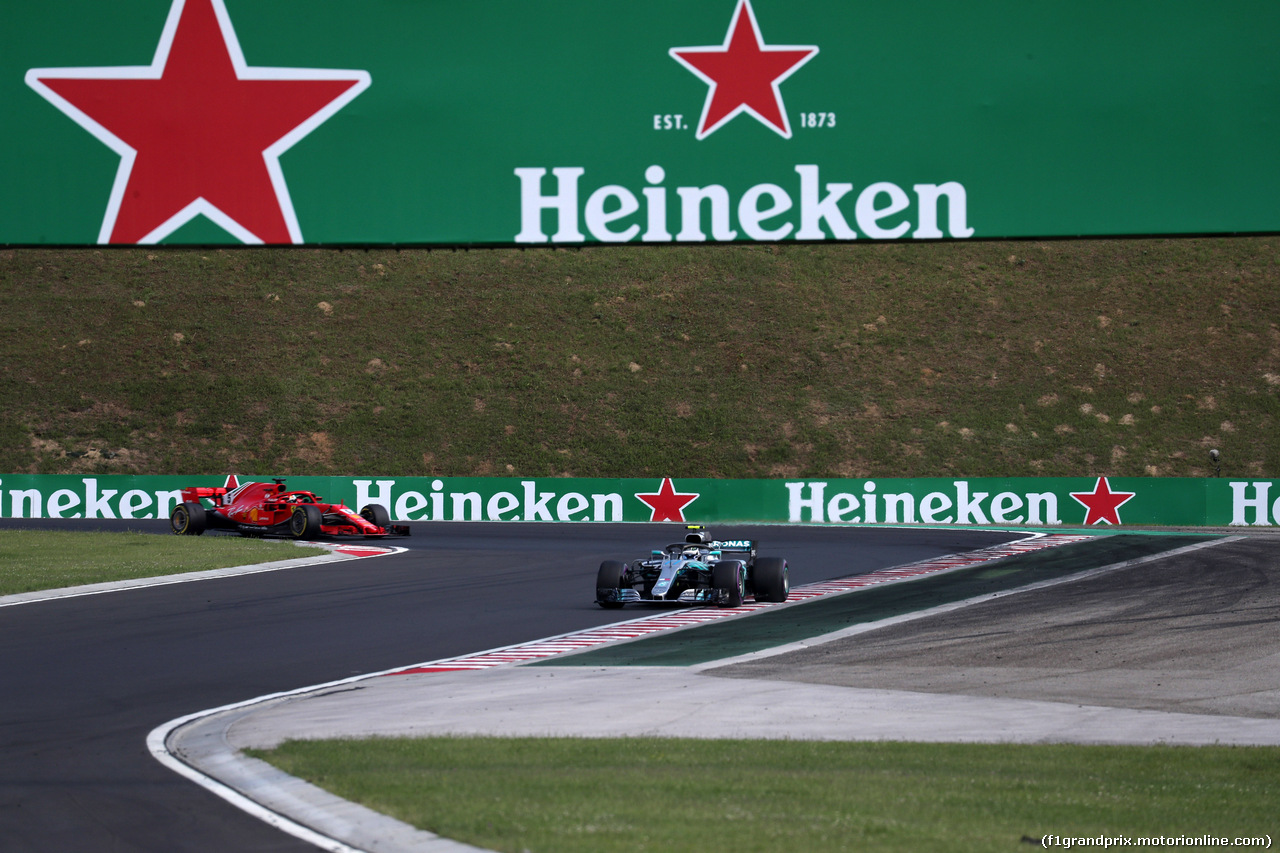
(785, 132)
(155, 71)
(667, 481)
(1088, 509)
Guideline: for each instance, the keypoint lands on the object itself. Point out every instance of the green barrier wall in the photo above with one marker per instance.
(518, 122)
(1070, 502)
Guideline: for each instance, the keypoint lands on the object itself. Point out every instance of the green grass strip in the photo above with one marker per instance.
(617, 796)
(776, 627)
(32, 560)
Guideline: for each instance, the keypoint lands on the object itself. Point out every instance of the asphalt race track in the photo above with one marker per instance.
(85, 679)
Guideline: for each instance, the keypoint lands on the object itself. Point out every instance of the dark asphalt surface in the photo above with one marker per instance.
(1197, 633)
(85, 679)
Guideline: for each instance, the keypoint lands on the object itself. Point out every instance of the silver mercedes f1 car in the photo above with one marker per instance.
(699, 570)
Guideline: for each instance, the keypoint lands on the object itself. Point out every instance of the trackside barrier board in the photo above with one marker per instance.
(571, 122)
(1016, 501)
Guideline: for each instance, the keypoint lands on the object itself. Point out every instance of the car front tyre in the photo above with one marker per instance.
(305, 521)
(730, 576)
(376, 514)
(609, 577)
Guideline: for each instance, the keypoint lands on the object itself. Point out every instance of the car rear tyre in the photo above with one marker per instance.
(730, 576)
(609, 578)
(770, 579)
(188, 519)
(305, 521)
(376, 514)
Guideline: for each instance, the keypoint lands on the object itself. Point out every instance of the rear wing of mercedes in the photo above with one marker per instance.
(736, 549)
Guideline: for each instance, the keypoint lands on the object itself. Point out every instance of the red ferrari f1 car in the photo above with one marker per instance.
(268, 509)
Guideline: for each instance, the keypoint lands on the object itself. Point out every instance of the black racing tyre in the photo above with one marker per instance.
(731, 576)
(609, 577)
(376, 514)
(305, 521)
(188, 519)
(769, 577)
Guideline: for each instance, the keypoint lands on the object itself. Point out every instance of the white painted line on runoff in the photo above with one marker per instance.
(954, 605)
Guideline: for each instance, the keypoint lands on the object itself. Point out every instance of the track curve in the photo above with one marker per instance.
(86, 679)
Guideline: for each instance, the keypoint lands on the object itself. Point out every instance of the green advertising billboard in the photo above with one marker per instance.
(662, 121)
(1075, 502)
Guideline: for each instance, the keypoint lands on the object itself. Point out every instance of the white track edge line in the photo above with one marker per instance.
(865, 627)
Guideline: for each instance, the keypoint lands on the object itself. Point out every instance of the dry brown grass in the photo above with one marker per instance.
(1118, 357)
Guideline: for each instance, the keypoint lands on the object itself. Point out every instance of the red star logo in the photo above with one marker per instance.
(668, 504)
(1102, 504)
(198, 131)
(744, 74)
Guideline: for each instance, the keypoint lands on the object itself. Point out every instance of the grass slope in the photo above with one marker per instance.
(1126, 358)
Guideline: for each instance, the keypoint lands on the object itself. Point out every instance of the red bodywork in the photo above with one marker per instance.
(263, 508)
